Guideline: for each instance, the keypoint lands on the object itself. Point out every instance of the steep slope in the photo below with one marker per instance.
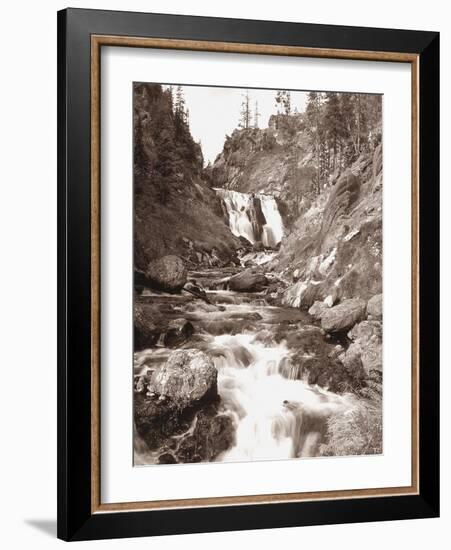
(334, 250)
(175, 211)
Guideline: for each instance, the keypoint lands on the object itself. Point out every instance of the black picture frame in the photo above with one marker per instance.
(76, 521)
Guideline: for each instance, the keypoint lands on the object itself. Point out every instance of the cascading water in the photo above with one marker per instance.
(253, 216)
(273, 230)
(275, 417)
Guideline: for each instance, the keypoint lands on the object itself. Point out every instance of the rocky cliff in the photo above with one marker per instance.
(334, 250)
(273, 160)
(175, 211)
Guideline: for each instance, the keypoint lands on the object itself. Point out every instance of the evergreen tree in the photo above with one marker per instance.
(256, 115)
(171, 97)
(314, 117)
(287, 102)
(279, 101)
(283, 102)
(180, 105)
(245, 113)
(332, 125)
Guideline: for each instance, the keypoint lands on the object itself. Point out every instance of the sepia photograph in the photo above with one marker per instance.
(257, 285)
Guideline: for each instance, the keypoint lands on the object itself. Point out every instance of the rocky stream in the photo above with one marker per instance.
(225, 372)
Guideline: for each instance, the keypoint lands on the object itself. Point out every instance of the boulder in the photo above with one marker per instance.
(343, 316)
(167, 273)
(178, 331)
(187, 377)
(145, 330)
(249, 280)
(374, 307)
(174, 394)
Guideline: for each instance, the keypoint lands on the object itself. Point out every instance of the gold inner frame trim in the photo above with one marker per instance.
(97, 41)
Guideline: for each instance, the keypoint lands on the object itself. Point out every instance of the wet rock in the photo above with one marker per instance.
(250, 316)
(187, 377)
(167, 273)
(176, 392)
(309, 340)
(324, 370)
(374, 307)
(315, 360)
(178, 332)
(258, 246)
(145, 331)
(197, 307)
(365, 350)
(157, 420)
(249, 280)
(167, 458)
(196, 290)
(212, 434)
(247, 245)
(273, 288)
(317, 310)
(343, 316)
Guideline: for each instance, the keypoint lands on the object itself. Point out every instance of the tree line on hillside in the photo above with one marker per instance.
(164, 149)
(340, 127)
(249, 118)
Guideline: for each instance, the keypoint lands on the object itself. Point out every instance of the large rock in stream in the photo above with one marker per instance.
(343, 316)
(249, 280)
(187, 377)
(167, 273)
(176, 410)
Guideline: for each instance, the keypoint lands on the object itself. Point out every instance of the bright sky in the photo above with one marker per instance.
(215, 112)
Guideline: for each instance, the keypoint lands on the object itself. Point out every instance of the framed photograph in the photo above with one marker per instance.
(248, 274)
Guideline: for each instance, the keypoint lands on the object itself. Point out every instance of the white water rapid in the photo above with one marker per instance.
(253, 216)
(276, 417)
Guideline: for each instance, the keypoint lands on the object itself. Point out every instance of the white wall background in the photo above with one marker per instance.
(28, 272)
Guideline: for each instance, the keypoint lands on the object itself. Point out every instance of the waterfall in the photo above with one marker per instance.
(273, 230)
(253, 216)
